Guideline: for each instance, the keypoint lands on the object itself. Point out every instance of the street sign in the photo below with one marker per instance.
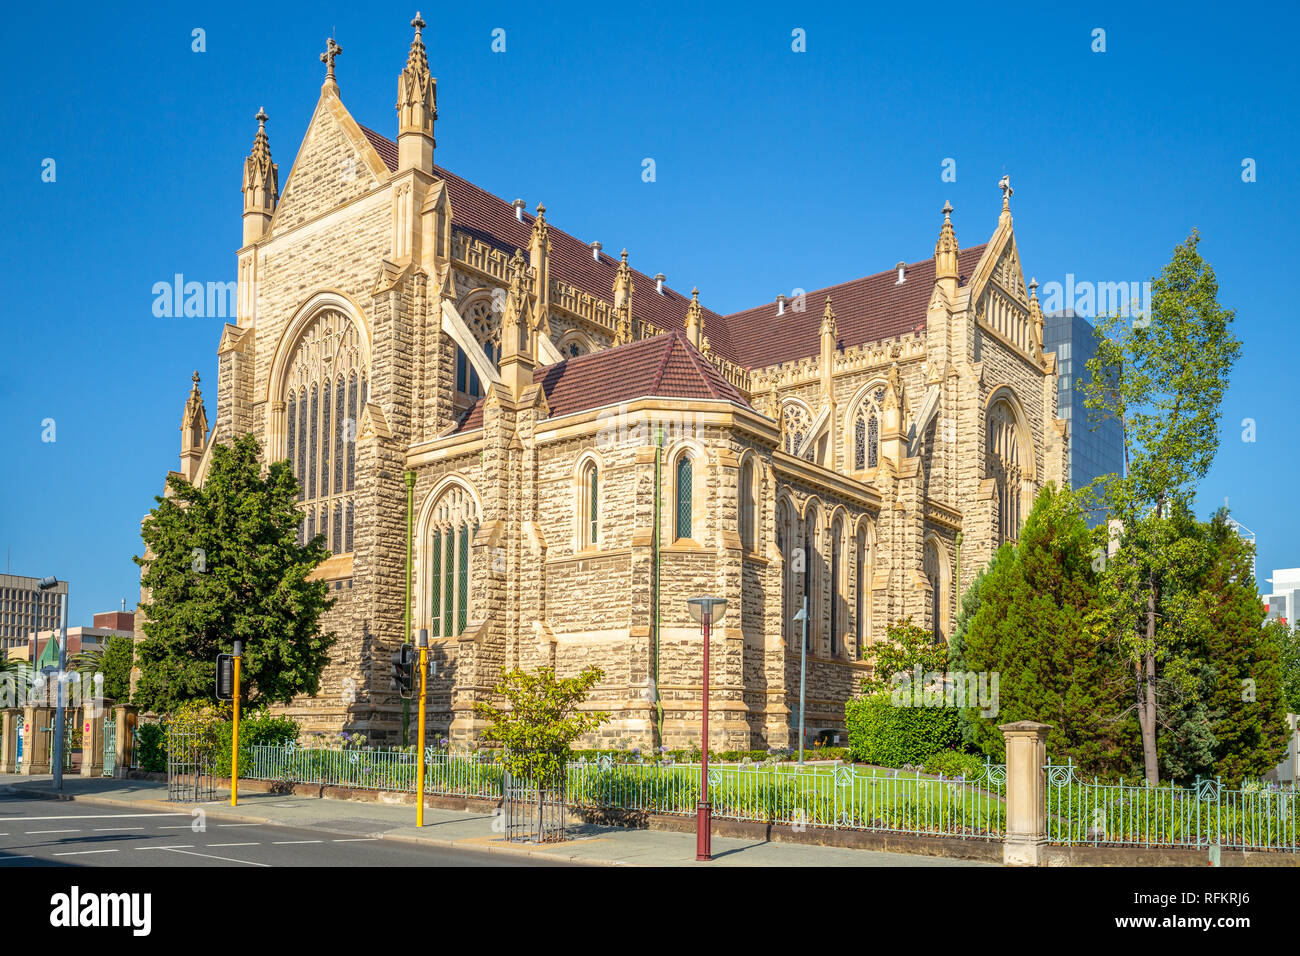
(225, 677)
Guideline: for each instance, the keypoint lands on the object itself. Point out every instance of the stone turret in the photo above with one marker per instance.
(261, 184)
(623, 289)
(194, 432)
(946, 272)
(417, 107)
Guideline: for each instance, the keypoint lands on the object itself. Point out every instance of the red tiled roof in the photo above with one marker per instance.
(866, 310)
(664, 365)
(492, 219)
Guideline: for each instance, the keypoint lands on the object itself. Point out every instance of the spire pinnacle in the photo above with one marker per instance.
(694, 319)
(945, 250)
(261, 183)
(417, 106)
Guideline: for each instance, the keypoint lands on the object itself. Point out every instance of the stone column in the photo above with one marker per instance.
(92, 738)
(36, 740)
(124, 721)
(1026, 835)
(10, 721)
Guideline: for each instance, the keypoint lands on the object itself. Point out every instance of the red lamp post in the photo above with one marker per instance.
(708, 611)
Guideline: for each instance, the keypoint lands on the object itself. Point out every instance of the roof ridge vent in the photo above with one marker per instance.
(902, 272)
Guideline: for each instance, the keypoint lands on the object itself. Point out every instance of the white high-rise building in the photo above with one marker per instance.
(1282, 603)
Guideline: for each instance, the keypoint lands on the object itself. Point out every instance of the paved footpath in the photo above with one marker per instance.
(347, 832)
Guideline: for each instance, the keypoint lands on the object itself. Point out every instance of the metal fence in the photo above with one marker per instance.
(1089, 812)
(445, 773)
(190, 759)
(533, 814)
(835, 797)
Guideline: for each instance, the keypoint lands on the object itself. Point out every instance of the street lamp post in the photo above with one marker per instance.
(59, 729)
(708, 611)
(802, 618)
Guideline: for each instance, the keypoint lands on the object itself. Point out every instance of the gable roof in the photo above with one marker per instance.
(866, 310)
(869, 309)
(663, 366)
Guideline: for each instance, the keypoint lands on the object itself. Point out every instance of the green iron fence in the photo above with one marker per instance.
(839, 797)
(1089, 812)
(835, 797)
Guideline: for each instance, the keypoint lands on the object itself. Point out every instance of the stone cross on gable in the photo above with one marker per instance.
(1005, 185)
(332, 50)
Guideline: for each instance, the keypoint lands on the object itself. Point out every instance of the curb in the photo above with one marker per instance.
(408, 838)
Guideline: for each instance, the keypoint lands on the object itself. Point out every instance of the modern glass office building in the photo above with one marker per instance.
(1096, 442)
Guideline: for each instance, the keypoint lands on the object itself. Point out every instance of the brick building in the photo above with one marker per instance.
(585, 447)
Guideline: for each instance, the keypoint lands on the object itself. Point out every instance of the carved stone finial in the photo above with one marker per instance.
(195, 378)
(828, 319)
(945, 250)
(332, 50)
(1005, 185)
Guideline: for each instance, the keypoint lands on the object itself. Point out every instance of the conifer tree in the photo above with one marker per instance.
(1032, 628)
(223, 563)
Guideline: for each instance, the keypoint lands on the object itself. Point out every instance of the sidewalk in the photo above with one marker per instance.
(599, 845)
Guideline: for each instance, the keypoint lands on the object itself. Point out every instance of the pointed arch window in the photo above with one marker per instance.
(935, 561)
(454, 523)
(1007, 465)
(866, 431)
(484, 322)
(324, 389)
(796, 421)
(812, 575)
(748, 506)
(588, 505)
(837, 585)
(684, 487)
(861, 597)
(785, 545)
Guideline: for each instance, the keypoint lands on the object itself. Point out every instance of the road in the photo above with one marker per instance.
(57, 833)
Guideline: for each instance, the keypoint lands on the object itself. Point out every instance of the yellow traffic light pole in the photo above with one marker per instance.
(419, 760)
(234, 736)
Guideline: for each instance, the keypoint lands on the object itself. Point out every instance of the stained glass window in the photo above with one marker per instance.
(684, 490)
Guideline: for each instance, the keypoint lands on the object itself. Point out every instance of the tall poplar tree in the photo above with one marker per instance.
(223, 563)
(1163, 375)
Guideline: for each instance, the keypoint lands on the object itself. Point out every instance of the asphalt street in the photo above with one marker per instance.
(56, 833)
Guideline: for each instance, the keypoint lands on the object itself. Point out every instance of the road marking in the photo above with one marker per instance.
(178, 846)
(211, 845)
(35, 832)
(25, 856)
(241, 824)
(284, 842)
(96, 816)
(115, 829)
(211, 856)
(357, 840)
(183, 826)
(84, 852)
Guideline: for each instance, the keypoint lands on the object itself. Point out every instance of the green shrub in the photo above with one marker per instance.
(151, 748)
(255, 728)
(955, 763)
(889, 736)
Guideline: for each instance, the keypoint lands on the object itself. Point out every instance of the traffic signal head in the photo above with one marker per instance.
(401, 672)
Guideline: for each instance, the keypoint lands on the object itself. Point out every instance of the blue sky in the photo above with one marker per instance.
(775, 170)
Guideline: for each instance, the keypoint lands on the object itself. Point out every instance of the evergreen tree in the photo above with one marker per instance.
(223, 563)
(1245, 696)
(1032, 628)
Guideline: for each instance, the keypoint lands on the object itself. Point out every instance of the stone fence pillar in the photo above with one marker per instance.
(1026, 835)
(36, 739)
(92, 737)
(11, 718)
(124, 721)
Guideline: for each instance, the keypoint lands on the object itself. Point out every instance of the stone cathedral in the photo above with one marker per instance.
(550, 450)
